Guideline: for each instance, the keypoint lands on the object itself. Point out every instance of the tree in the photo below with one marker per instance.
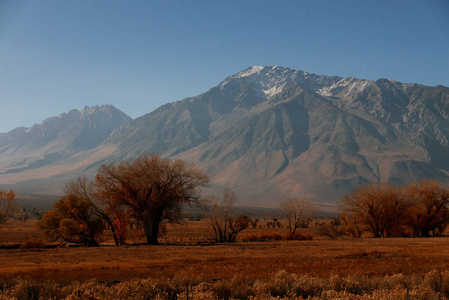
(428, 212)
(226, 223)
(72, 221)
(298, 212)
(152, 188)
(8, 205)
(351, 225)
(379, 208)
(103, 206)
(419, 209)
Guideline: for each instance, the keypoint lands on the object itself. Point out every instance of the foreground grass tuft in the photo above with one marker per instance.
(282, 285)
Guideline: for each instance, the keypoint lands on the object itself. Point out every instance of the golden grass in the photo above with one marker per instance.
(281, 285)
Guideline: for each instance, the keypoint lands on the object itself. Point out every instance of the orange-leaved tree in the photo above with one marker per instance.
(428, 212)
(72, 221)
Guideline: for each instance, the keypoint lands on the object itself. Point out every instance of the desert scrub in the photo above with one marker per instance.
(281, 285)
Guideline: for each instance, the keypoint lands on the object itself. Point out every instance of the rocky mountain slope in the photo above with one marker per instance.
(271, 133)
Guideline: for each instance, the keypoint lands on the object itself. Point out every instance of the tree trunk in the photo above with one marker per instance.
(293, 230)
(109, 223)
(114, 234)
(151, 230)
(90, 242)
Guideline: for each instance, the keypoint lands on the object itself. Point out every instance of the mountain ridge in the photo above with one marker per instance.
(56, 139)
(272, 132)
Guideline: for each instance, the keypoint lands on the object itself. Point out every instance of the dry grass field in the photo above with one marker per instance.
(186, 253)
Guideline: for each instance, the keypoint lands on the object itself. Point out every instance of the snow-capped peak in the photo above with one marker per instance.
(271, 80)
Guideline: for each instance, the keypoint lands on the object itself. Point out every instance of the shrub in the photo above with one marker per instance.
(237, 288)
(273, 236)
(33, 243)
(298, 236)
(251, 237)
(26, 290)
(334, 229)
(201, 291)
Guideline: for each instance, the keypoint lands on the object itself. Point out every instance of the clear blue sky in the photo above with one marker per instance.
(137, 55)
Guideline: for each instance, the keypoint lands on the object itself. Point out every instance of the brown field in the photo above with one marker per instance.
(185, 252)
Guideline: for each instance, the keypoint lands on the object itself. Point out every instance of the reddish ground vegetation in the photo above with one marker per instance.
(274, 236)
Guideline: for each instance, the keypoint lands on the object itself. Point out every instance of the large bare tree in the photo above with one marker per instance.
(152, 188)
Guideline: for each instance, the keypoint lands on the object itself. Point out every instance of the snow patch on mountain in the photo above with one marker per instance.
(346, 86)
(250, 71)
(273, 91)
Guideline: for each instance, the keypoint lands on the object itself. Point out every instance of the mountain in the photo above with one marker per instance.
(267, 132)
(273, 132)
(32, 154)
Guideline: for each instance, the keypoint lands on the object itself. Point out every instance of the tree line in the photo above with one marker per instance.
(419, 209)
(150, 191)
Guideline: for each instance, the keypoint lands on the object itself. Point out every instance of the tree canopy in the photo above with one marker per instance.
(151, 188)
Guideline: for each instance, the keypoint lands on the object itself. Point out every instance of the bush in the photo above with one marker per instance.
(272, 236)
(72, 221)
(298, 236)
(33, 243)
(27, 290)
